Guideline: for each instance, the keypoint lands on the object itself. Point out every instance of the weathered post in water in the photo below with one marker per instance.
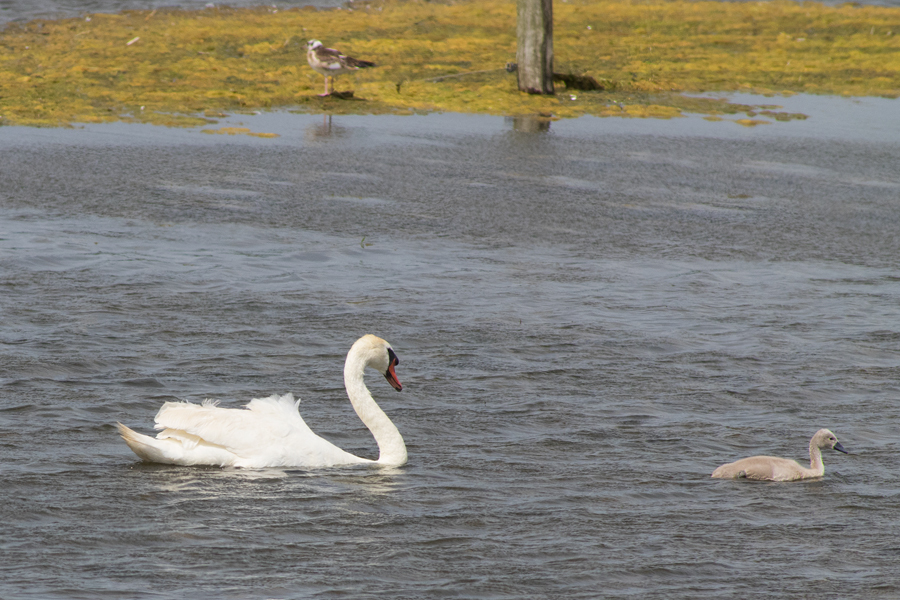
(534, 53)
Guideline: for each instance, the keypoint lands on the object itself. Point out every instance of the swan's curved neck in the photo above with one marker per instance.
(815, 459)
(391, 449)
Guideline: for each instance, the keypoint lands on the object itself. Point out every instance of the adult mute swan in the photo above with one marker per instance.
(270, 432)
(772, 468)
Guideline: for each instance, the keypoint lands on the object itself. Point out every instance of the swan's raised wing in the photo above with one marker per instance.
(268, 432)
(263, 421)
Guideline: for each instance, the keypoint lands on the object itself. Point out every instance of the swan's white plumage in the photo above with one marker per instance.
(269, 432)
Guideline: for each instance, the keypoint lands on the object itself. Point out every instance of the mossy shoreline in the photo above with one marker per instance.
(651, 58)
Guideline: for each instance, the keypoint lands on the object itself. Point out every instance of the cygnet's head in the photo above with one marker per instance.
(825, 439)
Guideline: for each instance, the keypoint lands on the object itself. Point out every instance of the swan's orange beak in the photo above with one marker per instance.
(390, 375)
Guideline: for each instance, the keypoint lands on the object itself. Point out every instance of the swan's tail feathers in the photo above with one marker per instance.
(174, 447)
(144, 446)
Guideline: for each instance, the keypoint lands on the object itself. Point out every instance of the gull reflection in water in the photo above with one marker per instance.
(324, 130)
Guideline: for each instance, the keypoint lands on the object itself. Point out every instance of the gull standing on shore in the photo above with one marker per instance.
(331, 63)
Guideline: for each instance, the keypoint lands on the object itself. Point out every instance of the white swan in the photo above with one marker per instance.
(772, 468)
(270, 432)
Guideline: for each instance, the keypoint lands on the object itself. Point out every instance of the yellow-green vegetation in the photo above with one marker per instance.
(237, 131)
(190, 67)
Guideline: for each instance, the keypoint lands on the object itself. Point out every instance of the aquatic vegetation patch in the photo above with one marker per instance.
(238, 131)
(648, 58)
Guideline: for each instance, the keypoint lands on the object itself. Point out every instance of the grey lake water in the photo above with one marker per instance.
(23, 10)
(589, 318)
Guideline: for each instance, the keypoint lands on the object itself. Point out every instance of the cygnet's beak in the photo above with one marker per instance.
(390, 375)
(837, 446)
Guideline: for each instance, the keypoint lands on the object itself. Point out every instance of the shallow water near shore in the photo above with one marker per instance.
(589, 319)
(24, 10)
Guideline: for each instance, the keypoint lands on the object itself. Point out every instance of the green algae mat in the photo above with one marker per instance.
(649, 58)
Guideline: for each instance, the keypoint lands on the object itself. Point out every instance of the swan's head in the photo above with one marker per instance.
(825, 439)
(378, 354)
(313, 44)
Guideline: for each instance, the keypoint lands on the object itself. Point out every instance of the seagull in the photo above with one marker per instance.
(331, 63)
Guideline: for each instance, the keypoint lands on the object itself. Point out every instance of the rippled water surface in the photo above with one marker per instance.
(589, 320)
(23, 10)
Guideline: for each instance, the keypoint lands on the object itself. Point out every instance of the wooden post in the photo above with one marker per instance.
(534, 53)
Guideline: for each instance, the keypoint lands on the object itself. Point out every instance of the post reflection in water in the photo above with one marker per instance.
(530, 124)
